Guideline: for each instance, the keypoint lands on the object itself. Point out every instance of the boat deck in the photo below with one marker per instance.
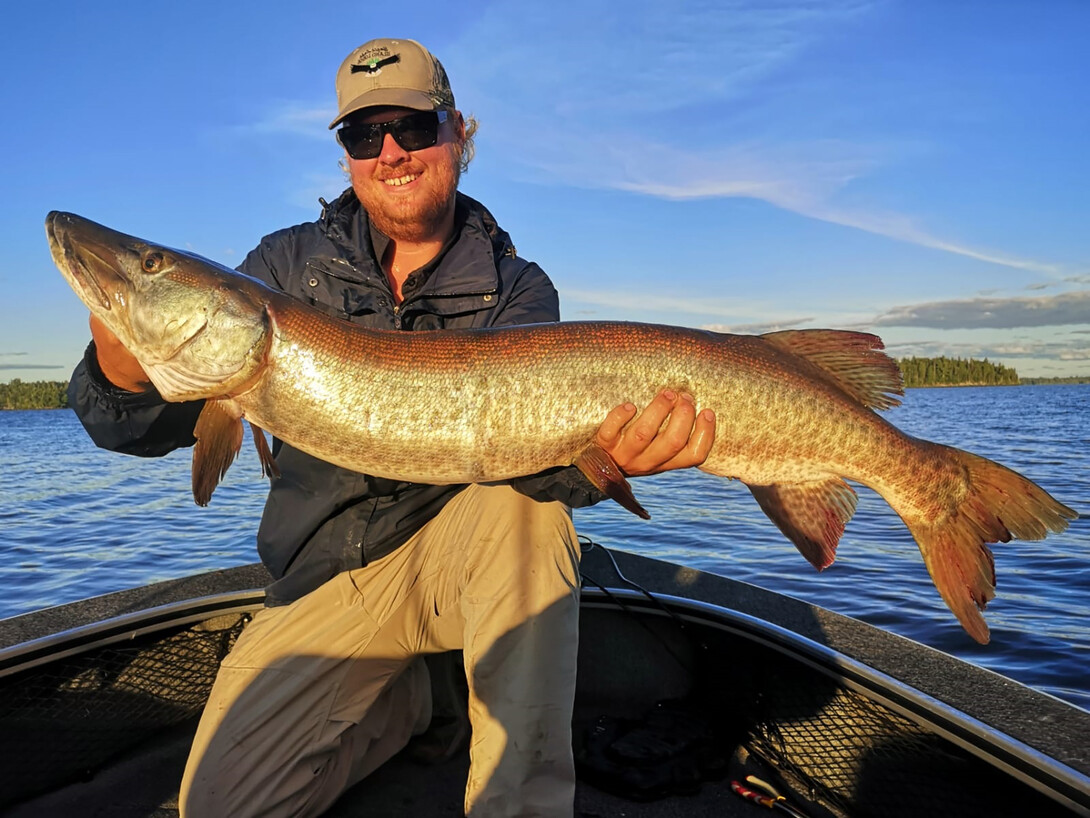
(865, 754)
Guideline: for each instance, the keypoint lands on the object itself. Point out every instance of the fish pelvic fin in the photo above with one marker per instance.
(219, 439)
(264, 453)
(607, 476)
(854, 361)
(812, 514)
(998, 505)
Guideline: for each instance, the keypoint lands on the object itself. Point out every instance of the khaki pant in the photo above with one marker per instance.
(317, 694)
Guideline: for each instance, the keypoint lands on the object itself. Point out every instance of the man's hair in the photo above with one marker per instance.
(468, 148)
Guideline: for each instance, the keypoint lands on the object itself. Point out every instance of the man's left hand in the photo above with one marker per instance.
(668, 434)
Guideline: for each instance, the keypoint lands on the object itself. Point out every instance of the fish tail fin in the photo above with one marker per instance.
(998, 505)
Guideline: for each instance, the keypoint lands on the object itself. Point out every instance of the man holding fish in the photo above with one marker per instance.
(371, 574)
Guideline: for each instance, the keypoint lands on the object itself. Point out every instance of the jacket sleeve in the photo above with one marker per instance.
(139, 423)
(534, 300)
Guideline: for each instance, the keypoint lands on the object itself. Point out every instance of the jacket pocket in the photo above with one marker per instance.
(335, 287)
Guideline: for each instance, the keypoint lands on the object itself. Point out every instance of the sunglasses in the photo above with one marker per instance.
(413, 133)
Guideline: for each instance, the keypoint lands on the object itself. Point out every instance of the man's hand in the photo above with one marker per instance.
(645, 446)
(117, 363)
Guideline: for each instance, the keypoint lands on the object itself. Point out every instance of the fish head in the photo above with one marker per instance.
(200, 330)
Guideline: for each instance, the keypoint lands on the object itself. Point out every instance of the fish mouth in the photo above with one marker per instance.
(83, 256)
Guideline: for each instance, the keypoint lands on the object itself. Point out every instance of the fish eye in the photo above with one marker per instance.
(152, 262)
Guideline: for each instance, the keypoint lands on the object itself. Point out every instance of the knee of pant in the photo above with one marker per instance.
(529, 529)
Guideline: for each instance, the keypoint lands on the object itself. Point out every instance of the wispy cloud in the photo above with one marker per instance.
(802, 179)
(659, 107)
(759, 328)
(291, 117)
(6, 367)
(637, 302)
(993, 313)
(1055, 350)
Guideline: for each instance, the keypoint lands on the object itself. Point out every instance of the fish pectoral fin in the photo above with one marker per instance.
(854, 361)
(264, 453)
(219, 438)
(812, 514)
(606, 475)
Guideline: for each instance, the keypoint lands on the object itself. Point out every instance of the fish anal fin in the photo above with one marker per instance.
(606, 475)
(812, 514)
(219, 438)
(854, 361)
(264, 453)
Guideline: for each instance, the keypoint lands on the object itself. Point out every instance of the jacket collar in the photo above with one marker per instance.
(469, 266)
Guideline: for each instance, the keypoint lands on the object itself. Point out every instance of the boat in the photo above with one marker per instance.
(698, 695)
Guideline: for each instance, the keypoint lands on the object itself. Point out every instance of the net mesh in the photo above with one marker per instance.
(61, 721)
(854, 756)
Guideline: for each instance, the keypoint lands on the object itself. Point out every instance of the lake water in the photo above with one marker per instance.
(76, 522)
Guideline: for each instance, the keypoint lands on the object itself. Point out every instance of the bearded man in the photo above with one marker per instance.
(370, 575)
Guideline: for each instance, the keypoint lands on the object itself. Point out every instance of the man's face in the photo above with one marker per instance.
(409, 194)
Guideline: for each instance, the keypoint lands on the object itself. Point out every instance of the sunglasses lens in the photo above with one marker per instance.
(417, 131)
(413, 133)
(361, 141)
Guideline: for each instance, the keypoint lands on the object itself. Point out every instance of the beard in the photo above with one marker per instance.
(412, 218)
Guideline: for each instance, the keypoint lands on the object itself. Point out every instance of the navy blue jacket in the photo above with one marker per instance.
(320, 519)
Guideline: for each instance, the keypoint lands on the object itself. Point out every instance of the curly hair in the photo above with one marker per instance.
(468, 148)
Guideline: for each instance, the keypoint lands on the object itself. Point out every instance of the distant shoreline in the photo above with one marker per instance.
(1023, 382)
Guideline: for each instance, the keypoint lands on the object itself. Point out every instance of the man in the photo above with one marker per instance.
(326, 683)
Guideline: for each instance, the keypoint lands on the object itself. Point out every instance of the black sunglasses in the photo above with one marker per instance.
(413, 133)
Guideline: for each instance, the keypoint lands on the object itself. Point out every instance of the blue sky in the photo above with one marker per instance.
(913, 167)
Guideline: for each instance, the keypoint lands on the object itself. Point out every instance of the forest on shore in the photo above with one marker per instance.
(956, 372)
(19, 394)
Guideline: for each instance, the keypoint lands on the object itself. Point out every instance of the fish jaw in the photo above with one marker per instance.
(88, 262)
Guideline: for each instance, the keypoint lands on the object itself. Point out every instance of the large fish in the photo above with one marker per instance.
(794, 409)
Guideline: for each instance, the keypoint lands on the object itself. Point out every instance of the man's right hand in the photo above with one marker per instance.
(117, 363)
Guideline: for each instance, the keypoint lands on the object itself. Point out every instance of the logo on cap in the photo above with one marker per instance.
(373, 65)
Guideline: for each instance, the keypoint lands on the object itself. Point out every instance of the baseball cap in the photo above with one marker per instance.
(391, 72)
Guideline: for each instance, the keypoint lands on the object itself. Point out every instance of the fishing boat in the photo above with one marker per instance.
(697, 695)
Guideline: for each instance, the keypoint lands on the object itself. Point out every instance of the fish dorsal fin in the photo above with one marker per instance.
(812, 515)
(219, 438)
(854, 361)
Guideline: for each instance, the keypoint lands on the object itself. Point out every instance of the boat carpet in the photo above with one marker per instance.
(144, 784)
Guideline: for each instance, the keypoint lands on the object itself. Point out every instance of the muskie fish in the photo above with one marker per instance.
(794, 409)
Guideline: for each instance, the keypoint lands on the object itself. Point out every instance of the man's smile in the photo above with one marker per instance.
(398, 181)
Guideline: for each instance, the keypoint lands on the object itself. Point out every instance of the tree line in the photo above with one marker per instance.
(33, 394)
(955, 372)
